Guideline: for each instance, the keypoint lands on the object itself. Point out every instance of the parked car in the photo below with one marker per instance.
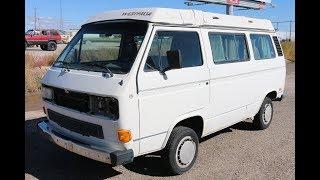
(65, 38)
(72, 33)
(137, 81)
(46, 38)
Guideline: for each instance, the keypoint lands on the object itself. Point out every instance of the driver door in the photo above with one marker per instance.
(163, 98)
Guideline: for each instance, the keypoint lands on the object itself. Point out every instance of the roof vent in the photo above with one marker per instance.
(214, 17)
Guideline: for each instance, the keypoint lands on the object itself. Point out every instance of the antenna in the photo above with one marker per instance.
(230, 4)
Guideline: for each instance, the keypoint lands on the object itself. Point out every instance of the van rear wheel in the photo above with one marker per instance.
(181, 150)
(52, 46)
(263, 118)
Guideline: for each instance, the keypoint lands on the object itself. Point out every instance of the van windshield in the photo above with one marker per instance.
(104, 46)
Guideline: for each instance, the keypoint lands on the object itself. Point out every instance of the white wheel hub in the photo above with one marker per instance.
(267, 114)
(185, 152)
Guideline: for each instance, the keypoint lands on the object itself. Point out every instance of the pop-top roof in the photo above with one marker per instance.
(184, 17)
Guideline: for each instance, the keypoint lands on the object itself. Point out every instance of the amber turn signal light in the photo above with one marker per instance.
(124, 135)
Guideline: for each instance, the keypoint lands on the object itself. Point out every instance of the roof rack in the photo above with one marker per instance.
(248, 4)
(184, 17)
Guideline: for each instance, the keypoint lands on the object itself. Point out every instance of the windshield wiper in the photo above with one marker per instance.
(99, 65)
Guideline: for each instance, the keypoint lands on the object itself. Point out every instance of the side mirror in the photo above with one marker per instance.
(174, 61)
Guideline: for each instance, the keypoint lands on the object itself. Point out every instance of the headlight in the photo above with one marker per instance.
(105, 106)
(47, 93)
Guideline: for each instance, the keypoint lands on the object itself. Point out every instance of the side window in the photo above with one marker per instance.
(262, 46)
(55, 33)
(44, 32)
(227, 48)
(186, 42)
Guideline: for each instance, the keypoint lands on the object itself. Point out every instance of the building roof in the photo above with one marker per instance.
(185, 17)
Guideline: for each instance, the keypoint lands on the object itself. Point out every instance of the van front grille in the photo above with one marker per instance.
(72, 100)
(77, 126)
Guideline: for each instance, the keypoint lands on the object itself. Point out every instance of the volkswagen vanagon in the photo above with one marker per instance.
(136, 81)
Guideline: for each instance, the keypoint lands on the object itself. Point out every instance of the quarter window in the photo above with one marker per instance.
(227, 48)
(262, 46)
(186, 42)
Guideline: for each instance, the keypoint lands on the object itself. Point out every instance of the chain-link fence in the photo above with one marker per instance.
(285, 30)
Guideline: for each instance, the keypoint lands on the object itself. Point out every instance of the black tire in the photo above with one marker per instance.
(262, 120)
(44, 47)
(52, 46)
(177, 139)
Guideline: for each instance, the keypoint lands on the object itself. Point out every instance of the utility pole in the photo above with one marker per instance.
(35, 18)
(61, 23)
(229, 9)
(290, 30)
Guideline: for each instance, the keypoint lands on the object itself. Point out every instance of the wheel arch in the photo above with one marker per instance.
(272, 94)
(193, 120)
(52, 40)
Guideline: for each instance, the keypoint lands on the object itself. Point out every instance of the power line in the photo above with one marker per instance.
(283, 21)
(290, 27)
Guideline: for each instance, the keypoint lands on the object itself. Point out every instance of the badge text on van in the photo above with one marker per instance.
(141, 13)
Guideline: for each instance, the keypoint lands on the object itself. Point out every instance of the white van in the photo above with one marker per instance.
(137, 81)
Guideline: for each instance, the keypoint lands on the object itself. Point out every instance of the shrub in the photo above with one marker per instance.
(35, 68)
(289, 50)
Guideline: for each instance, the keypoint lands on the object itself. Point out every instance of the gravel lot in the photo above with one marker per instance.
(239, 152)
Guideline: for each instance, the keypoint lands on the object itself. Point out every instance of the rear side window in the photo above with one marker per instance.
(278, 46)
(187, 42)
(44, 32)
(227, 48)
(262, 46)
(55, 33)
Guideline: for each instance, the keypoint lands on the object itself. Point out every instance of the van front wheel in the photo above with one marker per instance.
(263, 118)
(181, 150)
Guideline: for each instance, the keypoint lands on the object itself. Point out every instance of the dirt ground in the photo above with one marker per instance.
(36, 51)
(238, 152)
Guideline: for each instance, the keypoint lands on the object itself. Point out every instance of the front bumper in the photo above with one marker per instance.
(116, 157)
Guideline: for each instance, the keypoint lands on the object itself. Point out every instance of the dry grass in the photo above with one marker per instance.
(35, 68)
(100, 54)
(289, 50)
(39, 61)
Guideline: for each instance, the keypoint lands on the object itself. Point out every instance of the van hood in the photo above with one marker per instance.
(85, 81)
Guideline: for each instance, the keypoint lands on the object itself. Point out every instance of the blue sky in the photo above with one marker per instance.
(75, 12)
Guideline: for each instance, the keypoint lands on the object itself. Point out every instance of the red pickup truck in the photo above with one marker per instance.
(46, 38)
